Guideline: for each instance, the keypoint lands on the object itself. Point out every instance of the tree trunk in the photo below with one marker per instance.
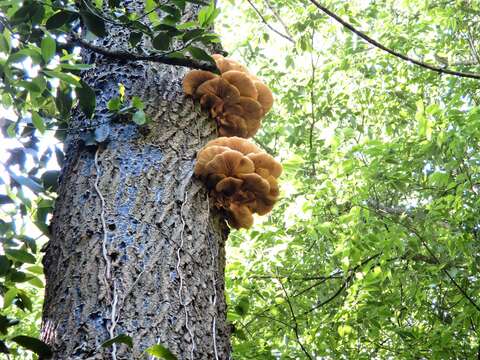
(136, 248)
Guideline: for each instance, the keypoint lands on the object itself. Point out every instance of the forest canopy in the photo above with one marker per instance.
(372, 250)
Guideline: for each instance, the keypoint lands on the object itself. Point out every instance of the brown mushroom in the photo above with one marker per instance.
(242, 82)
(229, 163)
(265, 97)
(235, 143)
(220, 88)
(239, 216)
(194, 79)
(264, 161)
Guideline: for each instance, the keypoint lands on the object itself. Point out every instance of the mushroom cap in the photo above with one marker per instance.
(245, 107)
(220, 88)
(265, 97)
(242, 82)
(228, 163)
(194, 79)
(255, 184)
(262, 207)
(235, 143)
(205, 155)
(228, 186)
(225, 64)
(212, 103)
(252, 127)
(265, 162)
(232, 125)
(239, 216)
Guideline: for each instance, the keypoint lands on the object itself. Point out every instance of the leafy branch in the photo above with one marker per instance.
(159, 58)
(391, 51)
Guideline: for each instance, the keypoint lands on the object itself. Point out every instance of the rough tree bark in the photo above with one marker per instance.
(135, 247)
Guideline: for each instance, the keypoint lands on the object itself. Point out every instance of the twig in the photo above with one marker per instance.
(268, 25)
(344, 284)
(295, 328)
(393, 52)
(445, 271)
(277, 16)
(471, 43)
(434, 257)
(159, 58)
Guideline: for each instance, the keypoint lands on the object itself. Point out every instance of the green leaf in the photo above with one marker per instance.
(137, 103)
(207, 15)
(119, 339)
(35, 281)
(5, 265)
(139, 117)
(94, 23)
(134, 38)
(50, 179)
(241, 308)
(86, 99)
(3, 348)
(161, 41)
(36, 269)
(37, 121)
(20, 255)
(76, 66)
(33, 344)
(18, 276)
(63, 101)
(114, 104)
(59, 19)
(161, 352)
(69, 79)
(48, 47)
(5, 323)
(9, 296)
(4, 44)
(191, 34)
(200, 54)
(171, 10)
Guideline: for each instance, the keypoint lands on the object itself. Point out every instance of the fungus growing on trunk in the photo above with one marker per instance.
(241, 178)
(236, 99)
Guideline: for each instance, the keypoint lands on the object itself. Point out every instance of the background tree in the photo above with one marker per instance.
(373, 250)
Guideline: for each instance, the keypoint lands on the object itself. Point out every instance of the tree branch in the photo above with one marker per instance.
(277, 16)
(159, 58)
(295, 328)
(268, 25)
(393, 52)
(344, 284)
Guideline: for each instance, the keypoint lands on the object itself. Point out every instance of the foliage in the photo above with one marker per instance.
(373, 250)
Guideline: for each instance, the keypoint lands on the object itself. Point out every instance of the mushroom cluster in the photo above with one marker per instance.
(236, 99)
(241, 177)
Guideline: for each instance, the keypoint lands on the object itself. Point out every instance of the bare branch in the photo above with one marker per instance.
(375, 43)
